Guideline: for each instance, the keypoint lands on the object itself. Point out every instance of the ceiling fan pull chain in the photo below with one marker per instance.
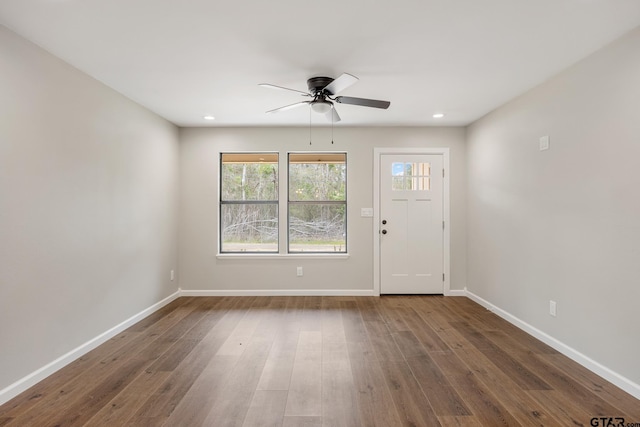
(332, 116)
(309, 125)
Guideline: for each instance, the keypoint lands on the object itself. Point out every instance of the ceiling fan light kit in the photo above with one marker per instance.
(323, 91)
(322, 107)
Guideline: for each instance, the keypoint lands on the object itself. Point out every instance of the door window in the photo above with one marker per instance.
(410, 176)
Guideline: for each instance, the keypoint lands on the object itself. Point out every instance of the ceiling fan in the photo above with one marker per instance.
(323, 91)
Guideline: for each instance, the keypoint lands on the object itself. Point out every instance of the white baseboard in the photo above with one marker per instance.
(456, 293)
(33, 378)
(276, 292)
(613, 377)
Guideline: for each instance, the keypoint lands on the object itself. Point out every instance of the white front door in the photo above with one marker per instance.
(411, 224)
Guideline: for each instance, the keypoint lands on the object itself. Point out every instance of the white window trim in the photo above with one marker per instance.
(283, 195)
(255, 255)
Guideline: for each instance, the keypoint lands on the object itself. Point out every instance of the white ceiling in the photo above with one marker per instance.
(186, 58)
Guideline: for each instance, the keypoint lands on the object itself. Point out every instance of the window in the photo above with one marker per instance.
(317, 205)
(248, 202)
(410, 176)
(315, 209)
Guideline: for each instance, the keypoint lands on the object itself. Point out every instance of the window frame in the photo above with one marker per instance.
(222, 203)
(317, 202)
(283, 214)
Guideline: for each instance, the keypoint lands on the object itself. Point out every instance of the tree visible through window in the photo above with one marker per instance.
(317, 202)
(249, 202)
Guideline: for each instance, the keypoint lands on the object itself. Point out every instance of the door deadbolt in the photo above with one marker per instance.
(384, 231)
(384, 221)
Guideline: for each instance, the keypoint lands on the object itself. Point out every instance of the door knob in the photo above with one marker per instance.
(384, 221)
(384, 231)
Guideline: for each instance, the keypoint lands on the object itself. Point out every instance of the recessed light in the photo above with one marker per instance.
(438, 115)
(208, 117)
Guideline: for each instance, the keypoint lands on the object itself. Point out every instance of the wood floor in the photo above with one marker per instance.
(321, 361)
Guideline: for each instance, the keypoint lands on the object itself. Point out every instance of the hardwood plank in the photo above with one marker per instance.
(278, 368)
(332, 327)
(338, 391)
(368, 308)
(240, 387)
(429, 339)
(382, 342)
(558, 379)
(266, 409)
(293, 314)
(195, 406)
(305, 388)
(83, 409)
(214, 309)
(170, 393)
(161, 405)
(272, 320)
(296, 421)
(459, 421)
(563, 409)
(353, 324)
(441, 394)
(392, 310)
(526, 379)
(627, 404)
(310, 316)
(375, 404)
(411, 403)
(431, 312)
(42, 391)
(408, 344)
(179, 351)
(452, 366)
(237, 341)
(518, 402)
(169, 311)
(484, 405)
(118, 411)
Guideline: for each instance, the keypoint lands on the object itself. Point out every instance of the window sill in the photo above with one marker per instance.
(283, 256)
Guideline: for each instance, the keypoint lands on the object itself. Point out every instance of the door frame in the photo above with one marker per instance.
(377, 153)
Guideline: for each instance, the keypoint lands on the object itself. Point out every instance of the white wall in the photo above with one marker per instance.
(199, 148)
(564, 224)
(88, 208)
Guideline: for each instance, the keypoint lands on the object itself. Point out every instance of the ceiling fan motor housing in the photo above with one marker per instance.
(316, 84)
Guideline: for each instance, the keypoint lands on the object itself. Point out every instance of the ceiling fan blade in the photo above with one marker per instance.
(363, 102)
(340, 84)
(283, 88)
(289, 107)
(332, 115)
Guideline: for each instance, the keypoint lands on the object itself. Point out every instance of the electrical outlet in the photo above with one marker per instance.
(299, 271)
(552, 308)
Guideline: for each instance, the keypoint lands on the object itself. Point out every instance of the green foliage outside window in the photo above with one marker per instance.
(249, 203)
(317, 203)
